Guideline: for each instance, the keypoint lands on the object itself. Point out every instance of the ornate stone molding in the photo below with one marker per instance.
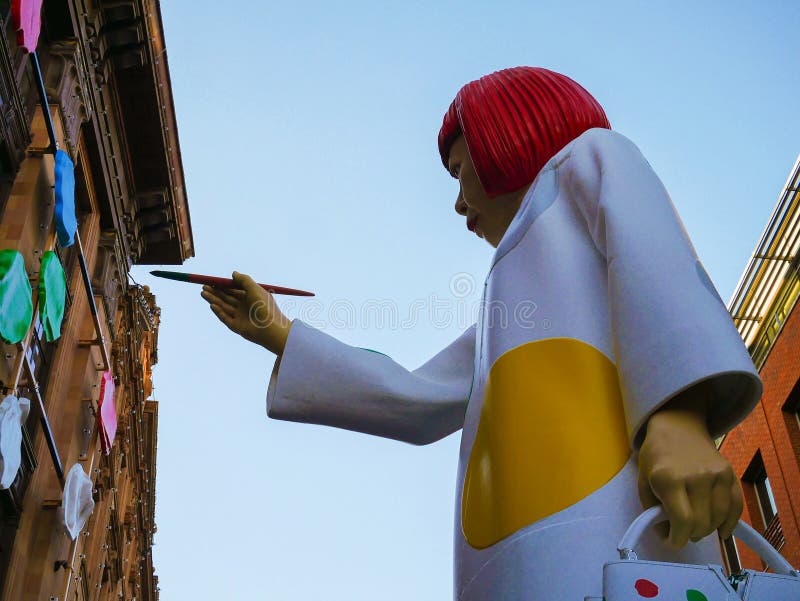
(14, 133)
(67, 83)
(108, 278)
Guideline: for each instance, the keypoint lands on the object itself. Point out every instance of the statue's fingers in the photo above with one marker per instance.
(646, 495)
(220, 301)
(699, 490)
(208, 294)
(243, 281)
(232, 296)
(735, 507)
(675, 501)
(649, 499)
(214, 295)
(720, 506)
(224, 316)
(233, 292)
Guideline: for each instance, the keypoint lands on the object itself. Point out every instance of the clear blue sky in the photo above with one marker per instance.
(308, 133)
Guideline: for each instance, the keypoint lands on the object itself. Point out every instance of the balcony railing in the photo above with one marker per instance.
(774, 533)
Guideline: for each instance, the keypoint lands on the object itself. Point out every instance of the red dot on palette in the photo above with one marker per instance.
(645, 588)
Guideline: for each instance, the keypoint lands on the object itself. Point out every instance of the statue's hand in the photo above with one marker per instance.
(681, 469)
(250, 311)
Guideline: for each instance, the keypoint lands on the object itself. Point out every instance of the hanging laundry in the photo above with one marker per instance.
(107, 415)
(52, 295)
(66, 223)
(26, 16)
(16, 306)
(13, 413)
(77, 504)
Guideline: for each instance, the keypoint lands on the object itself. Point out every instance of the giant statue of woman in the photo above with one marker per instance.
(567, 432)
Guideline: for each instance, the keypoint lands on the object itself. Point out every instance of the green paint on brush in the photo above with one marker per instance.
(172, 275)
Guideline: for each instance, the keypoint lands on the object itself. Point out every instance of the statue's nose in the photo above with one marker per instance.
(461, 206)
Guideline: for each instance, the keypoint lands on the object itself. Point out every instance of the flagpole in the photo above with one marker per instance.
(87, 282)
(48, 121)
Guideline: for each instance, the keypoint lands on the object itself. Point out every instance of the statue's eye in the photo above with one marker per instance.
(454, 170)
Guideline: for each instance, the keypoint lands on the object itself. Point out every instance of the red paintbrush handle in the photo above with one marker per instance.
(229, 283)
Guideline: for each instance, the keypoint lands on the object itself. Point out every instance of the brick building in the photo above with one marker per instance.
(765, 448)
(107, 104)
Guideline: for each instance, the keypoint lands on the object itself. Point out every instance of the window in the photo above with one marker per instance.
(775, 319)
(791, 416)
(765, 499)
(757, 475)
(797, 414)
(732, 555)
(40, 355)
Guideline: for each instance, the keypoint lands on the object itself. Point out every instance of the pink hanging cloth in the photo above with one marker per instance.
(26, 16)
(107, 414)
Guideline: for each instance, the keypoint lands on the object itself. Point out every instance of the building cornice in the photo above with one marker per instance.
(122, 42)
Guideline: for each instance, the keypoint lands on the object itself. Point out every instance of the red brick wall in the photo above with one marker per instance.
(776, 433)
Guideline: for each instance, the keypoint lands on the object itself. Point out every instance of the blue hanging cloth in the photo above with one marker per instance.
(66, 223)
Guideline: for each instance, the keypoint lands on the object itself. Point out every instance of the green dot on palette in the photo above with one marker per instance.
(693, 595)
(16, 306)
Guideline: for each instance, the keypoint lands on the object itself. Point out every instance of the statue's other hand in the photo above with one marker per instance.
(249, 311)
(681, 469)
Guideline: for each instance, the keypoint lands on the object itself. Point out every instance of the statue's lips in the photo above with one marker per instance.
(471, 223)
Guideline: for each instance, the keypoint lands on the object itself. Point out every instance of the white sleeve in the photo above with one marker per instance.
(321, 380)
(670, 328)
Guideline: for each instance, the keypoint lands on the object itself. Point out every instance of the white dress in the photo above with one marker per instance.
(596, 311)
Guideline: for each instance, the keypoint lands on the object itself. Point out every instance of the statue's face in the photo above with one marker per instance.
(488, 217)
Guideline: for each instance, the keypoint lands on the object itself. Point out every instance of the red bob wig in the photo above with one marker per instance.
(514, 121)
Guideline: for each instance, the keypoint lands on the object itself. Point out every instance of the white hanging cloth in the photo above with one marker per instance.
(77, 503)
(13, 413)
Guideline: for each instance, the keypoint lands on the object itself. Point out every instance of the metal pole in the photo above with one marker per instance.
(48, 121)
(48, 432)
(87, 284)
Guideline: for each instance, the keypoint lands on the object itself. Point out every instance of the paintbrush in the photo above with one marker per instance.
(211, 280)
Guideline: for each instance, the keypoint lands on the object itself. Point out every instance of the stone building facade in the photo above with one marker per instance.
(106, 76)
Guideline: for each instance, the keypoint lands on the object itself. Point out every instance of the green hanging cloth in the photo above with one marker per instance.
(52, 295)
(16, 306)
